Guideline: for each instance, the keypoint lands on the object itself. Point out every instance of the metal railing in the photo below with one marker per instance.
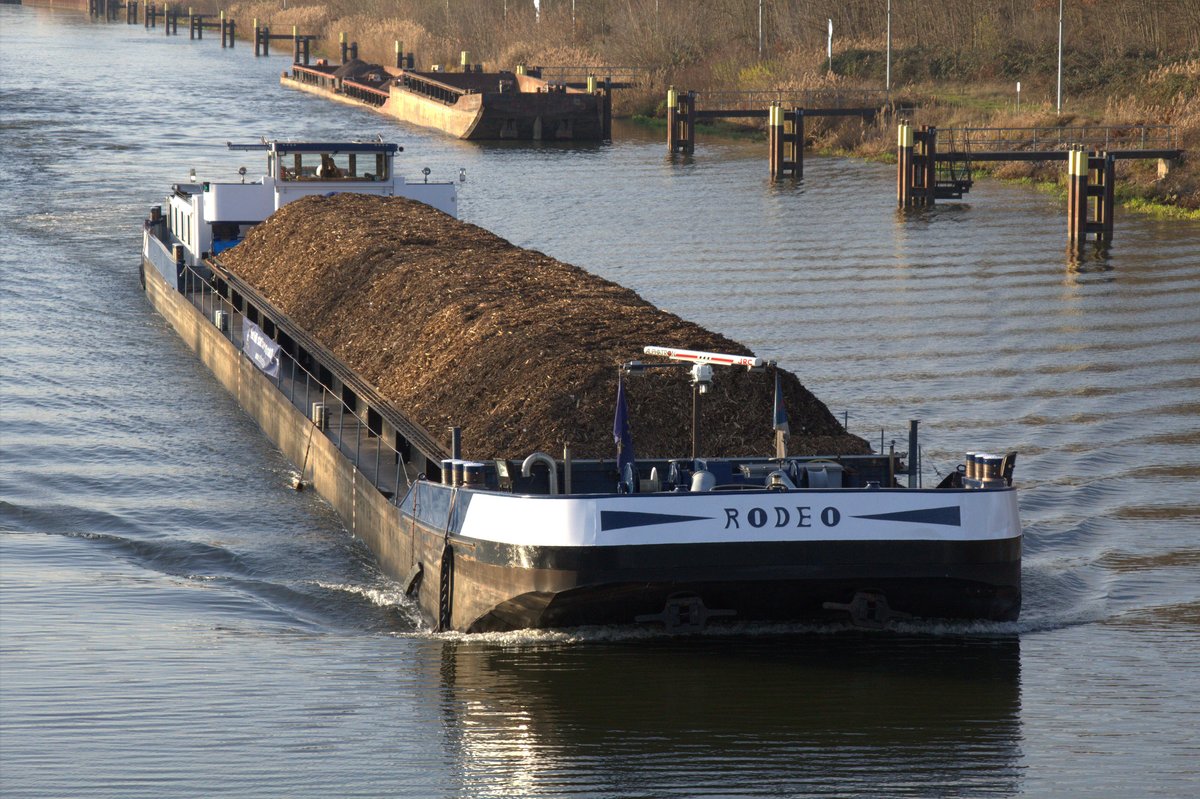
(1095, 137)
(158, 253)
(373, 457)
(433, 89)
(367, 94)
(313, 77)
(580, 73)
(791, 98)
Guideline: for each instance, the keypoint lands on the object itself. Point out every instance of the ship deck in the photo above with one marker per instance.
(350, 433)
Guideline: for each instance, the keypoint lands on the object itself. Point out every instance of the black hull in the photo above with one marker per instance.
(502, 587)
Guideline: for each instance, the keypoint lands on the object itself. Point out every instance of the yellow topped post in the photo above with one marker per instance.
(465, 60)
(591, 84)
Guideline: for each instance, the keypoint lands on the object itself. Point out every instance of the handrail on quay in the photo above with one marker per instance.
(792, 98)
(1095, 137)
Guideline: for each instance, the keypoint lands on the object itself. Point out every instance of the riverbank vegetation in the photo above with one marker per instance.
(956, 63)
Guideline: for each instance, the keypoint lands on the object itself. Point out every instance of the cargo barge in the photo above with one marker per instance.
(532, 540)
(472, 104)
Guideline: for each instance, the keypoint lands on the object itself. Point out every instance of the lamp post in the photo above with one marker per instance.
(1058, 106)
(888, 83)
(760, 38)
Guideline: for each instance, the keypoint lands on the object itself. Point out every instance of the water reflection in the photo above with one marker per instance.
(824, 714)
(1090, 258)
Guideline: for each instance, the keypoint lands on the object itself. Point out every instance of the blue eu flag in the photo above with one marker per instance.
(780, 419)
(621, 435)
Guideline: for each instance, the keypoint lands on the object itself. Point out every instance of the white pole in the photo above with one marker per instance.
(1058, 107)
(760, 39)
(888, 85)
(829, 46)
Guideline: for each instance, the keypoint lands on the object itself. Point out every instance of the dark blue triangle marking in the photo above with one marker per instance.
(949, 516)
(621, 519)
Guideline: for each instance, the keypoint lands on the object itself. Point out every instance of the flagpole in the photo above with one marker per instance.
(779, 420)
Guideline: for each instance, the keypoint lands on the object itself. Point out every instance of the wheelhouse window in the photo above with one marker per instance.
(333, 166)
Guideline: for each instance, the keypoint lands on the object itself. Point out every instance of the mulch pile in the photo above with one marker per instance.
(456, 326)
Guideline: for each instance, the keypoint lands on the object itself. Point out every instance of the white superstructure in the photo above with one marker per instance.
(209, 217)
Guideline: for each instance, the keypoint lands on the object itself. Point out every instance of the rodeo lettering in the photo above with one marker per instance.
(778, 516)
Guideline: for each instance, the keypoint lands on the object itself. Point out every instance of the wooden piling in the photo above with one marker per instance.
(775, 140)
(1077, 197)
(399, 55)
(672, 120)
(1103, 176)
(1091, 179)
(904, 168)
(606, 110)
(929, 181)
(344, 47)
(131, 12)
(690, 123)
(798, 143)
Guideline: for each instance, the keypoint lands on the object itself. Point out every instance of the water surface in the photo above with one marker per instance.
(174, 621)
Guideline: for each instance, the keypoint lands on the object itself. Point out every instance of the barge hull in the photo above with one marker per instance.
(366, 512)
(502, 587)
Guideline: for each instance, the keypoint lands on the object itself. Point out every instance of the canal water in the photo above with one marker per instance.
(176, 622)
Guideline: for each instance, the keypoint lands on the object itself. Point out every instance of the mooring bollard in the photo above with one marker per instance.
(400, 55)
(342, 43)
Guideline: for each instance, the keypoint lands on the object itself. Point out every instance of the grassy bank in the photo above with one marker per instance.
(957, 62)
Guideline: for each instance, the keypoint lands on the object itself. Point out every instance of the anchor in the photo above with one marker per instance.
(684, 613)
(868, 609)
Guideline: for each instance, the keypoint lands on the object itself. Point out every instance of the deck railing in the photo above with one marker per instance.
(360, 441)
(433, 89)
(158, 253)
(365, 93)
(313, 77)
